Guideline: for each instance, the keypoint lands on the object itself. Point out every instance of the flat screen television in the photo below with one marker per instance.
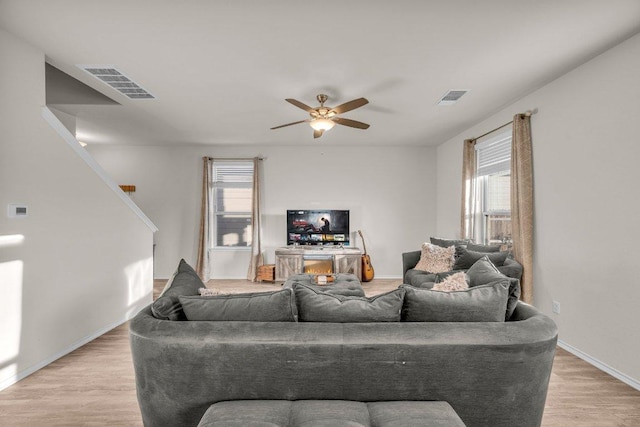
(318, 227)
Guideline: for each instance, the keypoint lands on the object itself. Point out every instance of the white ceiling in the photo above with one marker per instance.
(221, 69)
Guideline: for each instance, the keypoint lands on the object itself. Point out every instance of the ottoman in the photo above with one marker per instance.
(329, 413)
(344, 284)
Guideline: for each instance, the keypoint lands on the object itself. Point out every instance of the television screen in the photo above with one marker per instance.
(318, 227)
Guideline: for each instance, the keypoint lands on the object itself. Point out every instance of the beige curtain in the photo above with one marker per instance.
(522, 201)
(468, 205)
(256, 248)
(202, 263)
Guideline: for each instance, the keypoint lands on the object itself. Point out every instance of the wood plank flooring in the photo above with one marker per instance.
(95, 386)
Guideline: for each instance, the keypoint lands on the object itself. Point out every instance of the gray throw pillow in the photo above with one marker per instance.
(483, 248)
(317, 306)
(185, 281)
(511, 268)
(467, 258)
(484, 303)
(483, 272)
(274, 306)
(445, 243)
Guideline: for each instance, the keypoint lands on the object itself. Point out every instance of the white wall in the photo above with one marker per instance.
(586, 148)
(390, 192)
(80, 262)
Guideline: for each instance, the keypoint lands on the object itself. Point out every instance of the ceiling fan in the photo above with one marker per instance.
(324, 118)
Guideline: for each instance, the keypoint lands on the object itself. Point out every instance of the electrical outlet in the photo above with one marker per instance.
(556, 307)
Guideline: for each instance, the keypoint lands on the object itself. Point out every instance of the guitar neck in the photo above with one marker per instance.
(364, 246)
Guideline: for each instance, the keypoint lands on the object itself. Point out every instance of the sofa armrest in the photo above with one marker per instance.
(409, 260)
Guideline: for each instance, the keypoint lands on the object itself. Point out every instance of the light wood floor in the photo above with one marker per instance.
(95, 386)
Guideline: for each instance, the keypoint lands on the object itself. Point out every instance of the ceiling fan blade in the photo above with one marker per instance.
(289, 124)
(299, 104)
(350, 123)
(318, 133)
(351, 105)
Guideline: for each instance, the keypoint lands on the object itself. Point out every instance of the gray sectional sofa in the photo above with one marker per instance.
(466, 254)
(491, 373)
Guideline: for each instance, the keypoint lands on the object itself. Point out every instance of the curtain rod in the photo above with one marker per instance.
(527, 113)
(234, 158)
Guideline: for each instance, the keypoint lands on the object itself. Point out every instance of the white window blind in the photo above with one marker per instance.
(494, 155)
(232, 172)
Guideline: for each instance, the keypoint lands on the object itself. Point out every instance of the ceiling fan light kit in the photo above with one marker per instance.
(324, 118)
(321, 124)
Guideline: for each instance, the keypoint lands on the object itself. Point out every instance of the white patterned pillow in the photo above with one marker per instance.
(435, 259)
(206, 292)
(454, 282)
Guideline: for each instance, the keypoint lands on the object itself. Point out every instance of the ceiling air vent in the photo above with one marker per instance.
(451, 97)
(117, 80)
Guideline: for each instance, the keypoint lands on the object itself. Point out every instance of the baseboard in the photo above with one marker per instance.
(30, 370)
(598, 364)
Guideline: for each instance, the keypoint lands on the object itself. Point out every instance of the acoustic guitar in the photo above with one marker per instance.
(367, 268)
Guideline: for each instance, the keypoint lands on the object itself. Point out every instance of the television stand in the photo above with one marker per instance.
(292, 260)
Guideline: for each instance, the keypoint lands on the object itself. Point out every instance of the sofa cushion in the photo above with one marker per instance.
(344, 284)
(484, 303)
(274, 306)
(325, 413)
(467, 258)
(514, 297)
(318, 306)
(413, 414)
(483, 248)
(416, 278)
(435, 259)
(185, 281)
(483, 272)
(439, 277)
(240, 413)
(453, 282)
(425, 285)
(284, 413)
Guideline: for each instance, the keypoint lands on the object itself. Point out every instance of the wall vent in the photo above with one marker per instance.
(451, 97)
(17, 210)
(116, 79)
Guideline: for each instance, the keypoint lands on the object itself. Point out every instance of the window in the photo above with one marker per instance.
(232, 194)
(494, 189)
